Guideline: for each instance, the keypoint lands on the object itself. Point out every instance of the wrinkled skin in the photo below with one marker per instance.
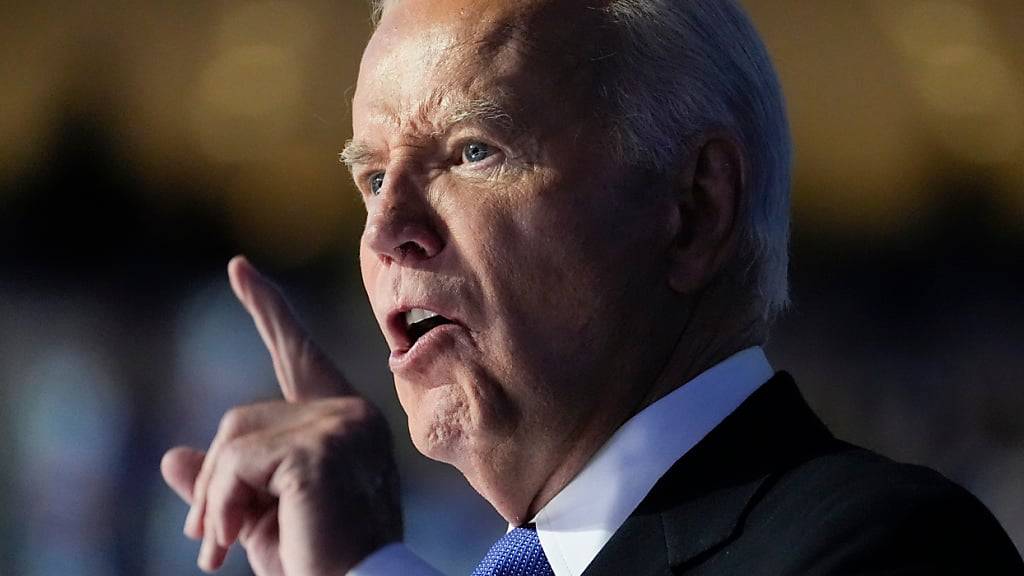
(571, 281)
(543, 251)
(272, 466)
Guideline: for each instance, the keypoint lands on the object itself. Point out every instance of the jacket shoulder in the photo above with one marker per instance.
(851, 510)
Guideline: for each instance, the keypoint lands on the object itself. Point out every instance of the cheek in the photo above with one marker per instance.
(537, 264)
(370, 268)
(555, 272)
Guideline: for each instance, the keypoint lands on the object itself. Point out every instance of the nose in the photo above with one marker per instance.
(401, 226)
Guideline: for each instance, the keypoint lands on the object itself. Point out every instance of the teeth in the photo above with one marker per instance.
(418, 315)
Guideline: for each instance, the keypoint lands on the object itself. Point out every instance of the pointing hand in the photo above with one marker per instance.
(307, 485)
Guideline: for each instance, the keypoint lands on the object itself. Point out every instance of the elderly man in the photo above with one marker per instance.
(575, 243)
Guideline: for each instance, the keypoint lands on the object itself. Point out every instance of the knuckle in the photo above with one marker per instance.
(352, 420)
(324, 450)
(232, 454)
(354, 409)
(333, 424)
(299, 472)
(233, 422)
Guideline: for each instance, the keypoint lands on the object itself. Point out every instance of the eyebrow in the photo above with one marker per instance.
(356, 153)
(483, 111)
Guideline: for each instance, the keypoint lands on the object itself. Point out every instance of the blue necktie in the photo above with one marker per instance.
(517, 553)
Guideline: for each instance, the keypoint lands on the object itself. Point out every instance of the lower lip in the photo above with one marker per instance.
(426, 348)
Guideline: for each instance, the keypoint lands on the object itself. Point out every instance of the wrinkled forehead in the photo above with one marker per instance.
(451, 39)
(429, 34)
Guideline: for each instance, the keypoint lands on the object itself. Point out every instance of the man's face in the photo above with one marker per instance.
(492, 202)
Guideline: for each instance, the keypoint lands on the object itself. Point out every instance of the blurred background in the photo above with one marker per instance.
(144, 143)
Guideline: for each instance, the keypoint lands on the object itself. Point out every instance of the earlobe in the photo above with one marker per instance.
(709, 191)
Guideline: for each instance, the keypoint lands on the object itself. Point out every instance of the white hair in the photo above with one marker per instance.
(685, 67)
(677, 69)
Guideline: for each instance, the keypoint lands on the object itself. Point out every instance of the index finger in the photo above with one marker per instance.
(303, 371)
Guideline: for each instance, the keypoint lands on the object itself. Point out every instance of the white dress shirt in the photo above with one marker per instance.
(579, 520)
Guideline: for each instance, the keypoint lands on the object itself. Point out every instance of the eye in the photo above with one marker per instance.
(376, 183)
(475, 152)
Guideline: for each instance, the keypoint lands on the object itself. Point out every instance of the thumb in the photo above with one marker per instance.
(303, 371)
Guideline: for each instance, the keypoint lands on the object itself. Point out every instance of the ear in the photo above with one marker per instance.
(708, 192)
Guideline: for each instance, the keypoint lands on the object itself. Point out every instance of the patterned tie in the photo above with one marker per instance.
(517, 553)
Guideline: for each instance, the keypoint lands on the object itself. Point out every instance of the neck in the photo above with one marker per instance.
(708, 336)
(706, 339)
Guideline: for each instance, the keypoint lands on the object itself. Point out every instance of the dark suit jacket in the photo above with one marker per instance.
(770, 491)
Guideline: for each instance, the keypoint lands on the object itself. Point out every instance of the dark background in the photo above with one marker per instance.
(143, 144)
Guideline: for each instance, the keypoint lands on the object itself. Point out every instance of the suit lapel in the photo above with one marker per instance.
(698, 506)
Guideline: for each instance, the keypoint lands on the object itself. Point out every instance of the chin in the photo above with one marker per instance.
(438, 420)
(461, 420)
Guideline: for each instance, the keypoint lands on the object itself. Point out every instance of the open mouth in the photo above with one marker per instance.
(419, 321)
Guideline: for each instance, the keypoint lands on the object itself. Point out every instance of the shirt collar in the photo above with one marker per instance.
(579, 520)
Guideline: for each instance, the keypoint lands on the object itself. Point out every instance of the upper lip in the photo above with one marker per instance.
(397, 332)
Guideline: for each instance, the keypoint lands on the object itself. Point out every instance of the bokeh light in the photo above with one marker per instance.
(972, 96)
(143, 144)
(246, 102)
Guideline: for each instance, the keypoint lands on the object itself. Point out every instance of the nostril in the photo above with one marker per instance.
(395, 237)
(411, 248)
